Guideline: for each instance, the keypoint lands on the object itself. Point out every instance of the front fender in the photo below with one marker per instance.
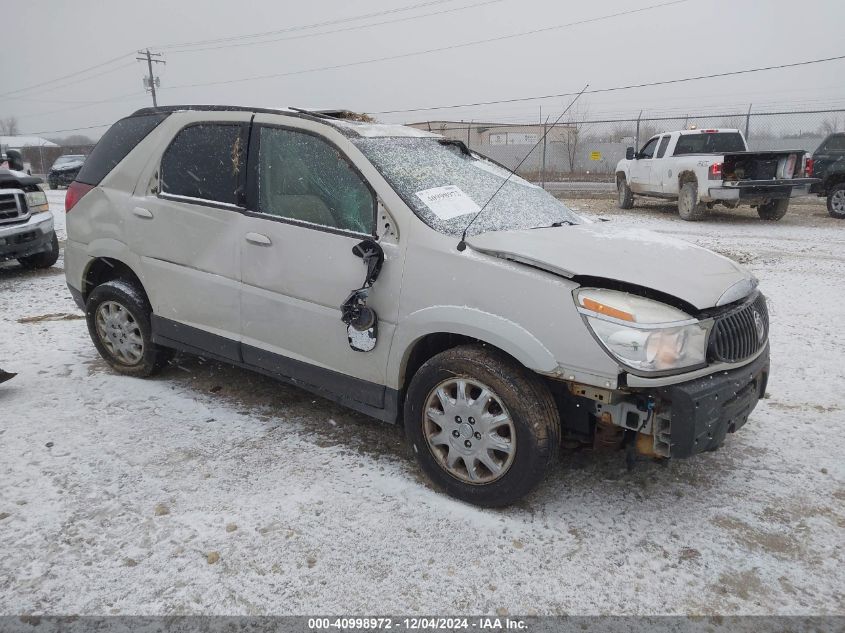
(504, 334)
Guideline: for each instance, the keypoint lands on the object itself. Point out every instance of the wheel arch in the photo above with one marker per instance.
(102, 269)
(432, 330)
(832, 180)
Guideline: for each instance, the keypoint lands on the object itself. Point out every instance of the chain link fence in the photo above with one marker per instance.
(590, 149)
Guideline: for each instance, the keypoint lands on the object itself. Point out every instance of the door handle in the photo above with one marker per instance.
(258, 238)
(143, 213)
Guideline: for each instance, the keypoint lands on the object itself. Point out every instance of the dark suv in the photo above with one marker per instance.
(829, 165)
(64, 170)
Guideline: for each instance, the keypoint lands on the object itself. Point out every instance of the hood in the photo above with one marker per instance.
(693, 274)
(67, 166)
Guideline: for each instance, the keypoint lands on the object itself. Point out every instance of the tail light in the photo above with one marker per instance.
(75, 192)
(715, 171)
(808, 168)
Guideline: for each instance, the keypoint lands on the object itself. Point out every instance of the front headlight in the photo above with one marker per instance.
(37, 200)
(643, 334)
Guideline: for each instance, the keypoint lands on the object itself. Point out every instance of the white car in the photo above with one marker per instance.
(700, 168)
(399, 273)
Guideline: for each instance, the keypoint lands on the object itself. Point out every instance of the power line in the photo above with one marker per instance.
(433, 50)
(78, 81)
(617, 88)
(80, 107)
(343, 30)
(74, 74)
(305, 27)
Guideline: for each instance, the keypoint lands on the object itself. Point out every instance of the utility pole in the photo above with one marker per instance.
(151, 81)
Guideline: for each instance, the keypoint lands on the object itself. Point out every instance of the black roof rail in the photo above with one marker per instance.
(224, 108)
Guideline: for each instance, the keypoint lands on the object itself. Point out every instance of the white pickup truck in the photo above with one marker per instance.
(700, 168)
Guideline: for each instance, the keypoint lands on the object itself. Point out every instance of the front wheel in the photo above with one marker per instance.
(773, 210)
(118, 317)
(45, 259)
(483, 428)
(836, 202)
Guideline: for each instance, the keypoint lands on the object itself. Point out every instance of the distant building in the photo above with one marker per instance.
(476, 133)
(20, 142)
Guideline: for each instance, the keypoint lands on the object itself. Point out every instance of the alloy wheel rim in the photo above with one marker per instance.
(119, 332)
(837, 201)
(469, 431)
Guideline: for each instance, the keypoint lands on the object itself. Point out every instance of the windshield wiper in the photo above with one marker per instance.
(456, 143)
(555, 225)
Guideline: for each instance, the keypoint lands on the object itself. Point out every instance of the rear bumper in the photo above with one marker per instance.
(695, 416)
(754, 190)
(27, 238)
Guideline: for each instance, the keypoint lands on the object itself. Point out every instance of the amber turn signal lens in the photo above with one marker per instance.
(600, 308)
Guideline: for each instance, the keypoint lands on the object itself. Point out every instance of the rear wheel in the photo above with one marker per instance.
(626, 196)
(836, 202)
(483, 428)
(688, 206)
(773, 210)
(118, 317)
(45, 259)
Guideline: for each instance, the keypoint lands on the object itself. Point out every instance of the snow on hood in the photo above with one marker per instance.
(696, 275)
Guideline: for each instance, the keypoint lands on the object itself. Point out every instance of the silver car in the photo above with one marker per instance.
(409, 278)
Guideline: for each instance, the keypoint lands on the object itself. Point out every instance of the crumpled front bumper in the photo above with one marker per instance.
(26, 238)
(695, 416)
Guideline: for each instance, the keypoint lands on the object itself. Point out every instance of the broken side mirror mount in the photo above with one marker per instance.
(361, 320)
(629, 153)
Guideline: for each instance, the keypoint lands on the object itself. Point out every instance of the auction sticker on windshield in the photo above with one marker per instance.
(448, 202)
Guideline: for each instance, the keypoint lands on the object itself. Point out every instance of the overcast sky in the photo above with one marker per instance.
(45, 40)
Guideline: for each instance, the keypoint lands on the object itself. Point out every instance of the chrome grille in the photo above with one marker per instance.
(740, 333)
(12, 206)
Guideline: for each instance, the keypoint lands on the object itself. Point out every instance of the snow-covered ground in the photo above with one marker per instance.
(114, 491)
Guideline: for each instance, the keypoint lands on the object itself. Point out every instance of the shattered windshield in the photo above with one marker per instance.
(445, 186)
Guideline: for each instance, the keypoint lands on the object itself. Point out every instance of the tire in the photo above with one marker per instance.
(688, 209)
(119, 307)
(836, 202)
(529, 434)
(625, 195)
(45, 259)
(773, 210)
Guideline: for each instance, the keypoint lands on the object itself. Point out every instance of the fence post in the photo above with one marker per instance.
(637, 137)
(748, 123)
(543, 172)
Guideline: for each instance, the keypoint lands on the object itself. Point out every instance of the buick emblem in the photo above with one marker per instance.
(760, 325)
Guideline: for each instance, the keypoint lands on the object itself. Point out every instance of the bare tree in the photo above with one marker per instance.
(77, 139)
(830, 125)
(576, 128)
(9, 126)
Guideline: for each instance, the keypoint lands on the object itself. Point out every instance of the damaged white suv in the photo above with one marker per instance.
(351, 259)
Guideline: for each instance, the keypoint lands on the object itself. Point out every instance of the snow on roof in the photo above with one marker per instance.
(18, 142)
(372, 130)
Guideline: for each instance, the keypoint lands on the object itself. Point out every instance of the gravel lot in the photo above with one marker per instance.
(212, 490)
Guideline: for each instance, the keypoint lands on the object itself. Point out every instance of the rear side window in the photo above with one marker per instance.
(709, 143)
(834, 144)
(205, 161)
(120, 139)
(661, 149)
